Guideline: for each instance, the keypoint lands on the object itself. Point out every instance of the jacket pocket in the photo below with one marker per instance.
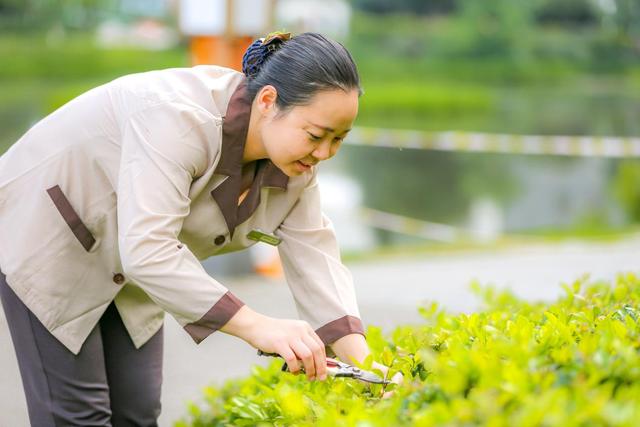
(72, 219)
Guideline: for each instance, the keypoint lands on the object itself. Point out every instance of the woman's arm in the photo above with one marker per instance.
(164, 147)
(351, 347)
(321, 285)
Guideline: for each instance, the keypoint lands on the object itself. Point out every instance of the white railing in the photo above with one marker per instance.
(586, 146)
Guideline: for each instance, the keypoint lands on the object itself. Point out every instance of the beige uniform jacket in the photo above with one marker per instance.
(120, 193)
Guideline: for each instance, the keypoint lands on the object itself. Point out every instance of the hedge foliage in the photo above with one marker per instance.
(573, 362)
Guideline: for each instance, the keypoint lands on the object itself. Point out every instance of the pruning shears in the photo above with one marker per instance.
(335, 368)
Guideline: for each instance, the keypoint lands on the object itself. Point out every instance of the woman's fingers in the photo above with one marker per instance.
(297, 343)
(319, 341)
(321, 353)
(319, 356)
(304, 353)
(292, 360)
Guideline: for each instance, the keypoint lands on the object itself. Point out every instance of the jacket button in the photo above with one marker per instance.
(219, 240)
(118, 279)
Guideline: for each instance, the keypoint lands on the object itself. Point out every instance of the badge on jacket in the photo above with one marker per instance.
(260, 236)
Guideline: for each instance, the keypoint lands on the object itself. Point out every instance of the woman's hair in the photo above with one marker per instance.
(298, 67)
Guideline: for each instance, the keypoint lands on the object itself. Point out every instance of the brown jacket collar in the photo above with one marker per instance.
(234, 136)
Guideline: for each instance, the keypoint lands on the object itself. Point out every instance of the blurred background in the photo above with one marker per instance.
(541, 67)
(497, 141)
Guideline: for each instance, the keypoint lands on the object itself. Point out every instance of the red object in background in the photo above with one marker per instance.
(226, 51)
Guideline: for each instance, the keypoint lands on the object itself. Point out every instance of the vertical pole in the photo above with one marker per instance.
(227, 48)
(270, 22)
(229, 31)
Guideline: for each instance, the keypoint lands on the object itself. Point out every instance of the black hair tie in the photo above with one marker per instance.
(260, 50)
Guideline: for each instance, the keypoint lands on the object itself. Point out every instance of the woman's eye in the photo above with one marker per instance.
(314, 137)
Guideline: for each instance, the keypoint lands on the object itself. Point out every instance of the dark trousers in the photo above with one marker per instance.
(109, 383)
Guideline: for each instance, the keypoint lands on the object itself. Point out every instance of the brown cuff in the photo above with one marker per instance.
(214, 319)
(333, 331)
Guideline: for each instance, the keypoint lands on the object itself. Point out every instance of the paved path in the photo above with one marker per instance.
(389, 290)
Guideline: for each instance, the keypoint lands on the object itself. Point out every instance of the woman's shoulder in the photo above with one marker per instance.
(177, 80)
(201, 87)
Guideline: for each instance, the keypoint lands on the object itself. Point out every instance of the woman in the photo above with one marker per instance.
(108, 204)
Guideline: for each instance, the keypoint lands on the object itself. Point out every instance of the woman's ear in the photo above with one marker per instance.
(266, 101)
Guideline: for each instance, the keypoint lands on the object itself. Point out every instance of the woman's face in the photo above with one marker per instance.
(308, 134)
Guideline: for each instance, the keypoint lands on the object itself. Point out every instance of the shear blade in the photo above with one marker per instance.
(372, 378)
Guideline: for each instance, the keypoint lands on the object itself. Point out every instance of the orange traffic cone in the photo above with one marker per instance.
(266, 261)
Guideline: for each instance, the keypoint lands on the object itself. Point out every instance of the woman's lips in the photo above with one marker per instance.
(303, 166)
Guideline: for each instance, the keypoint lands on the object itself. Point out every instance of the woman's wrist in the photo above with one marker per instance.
(242, 323)
(351, 347)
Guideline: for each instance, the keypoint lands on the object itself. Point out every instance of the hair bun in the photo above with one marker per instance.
(260, 50)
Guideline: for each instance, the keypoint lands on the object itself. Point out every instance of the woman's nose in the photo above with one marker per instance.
(323, 151)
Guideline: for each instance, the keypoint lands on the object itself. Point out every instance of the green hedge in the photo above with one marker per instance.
(569, 363)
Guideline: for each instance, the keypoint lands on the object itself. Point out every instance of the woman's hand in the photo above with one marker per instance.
(291, 339)
(397, 378)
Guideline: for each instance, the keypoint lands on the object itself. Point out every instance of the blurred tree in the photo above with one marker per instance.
(30, 15)
(617, 44)
(627, 18)
(498, 27)
(16, 14)
(10, 6)
(421, 7)
(563, 12)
